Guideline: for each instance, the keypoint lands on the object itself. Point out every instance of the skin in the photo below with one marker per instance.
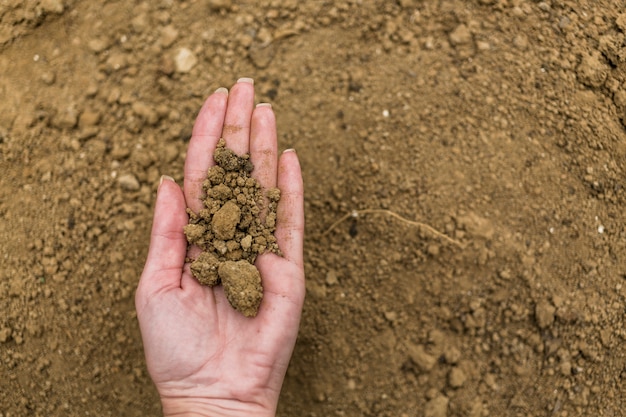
(205, 358)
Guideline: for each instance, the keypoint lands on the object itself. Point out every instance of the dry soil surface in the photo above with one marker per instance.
(499, 123)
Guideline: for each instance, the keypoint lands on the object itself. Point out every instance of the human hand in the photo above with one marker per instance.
(206, 358)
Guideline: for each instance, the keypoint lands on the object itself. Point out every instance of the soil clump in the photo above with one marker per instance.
(236, 225)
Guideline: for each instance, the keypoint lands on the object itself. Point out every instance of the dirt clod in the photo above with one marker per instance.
(230, 231)
(225, 221)
(204, 268)
(242, 286)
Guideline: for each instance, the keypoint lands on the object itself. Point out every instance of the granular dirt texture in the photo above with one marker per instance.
(236, 225)
(500, 123)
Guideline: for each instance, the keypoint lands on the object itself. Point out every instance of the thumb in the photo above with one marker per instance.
(168, 245)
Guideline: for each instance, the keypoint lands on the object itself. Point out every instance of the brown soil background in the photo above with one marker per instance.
(497, 122)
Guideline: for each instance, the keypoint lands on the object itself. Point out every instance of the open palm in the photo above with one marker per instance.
(204, 357)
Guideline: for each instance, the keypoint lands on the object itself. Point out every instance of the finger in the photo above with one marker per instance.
(290, 214)
(206, 132)
(263, 147)
(168, 245)
(236, 129)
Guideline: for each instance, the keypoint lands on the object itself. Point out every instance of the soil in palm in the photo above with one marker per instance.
(236, 224)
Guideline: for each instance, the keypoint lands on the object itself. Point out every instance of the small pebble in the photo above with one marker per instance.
(5, 334)
(65, 119)
(461, 35)
(98, 45)
(146, 112)
(48, 78)
(128, 182)
(420, 357)
(169, 34)
(185, 60)
(51, 6)
(456, 377)
(217, 5)
(89, 118)
(331, 277)
(544, 313)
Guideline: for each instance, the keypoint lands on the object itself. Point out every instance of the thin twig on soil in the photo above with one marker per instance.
(357, 213)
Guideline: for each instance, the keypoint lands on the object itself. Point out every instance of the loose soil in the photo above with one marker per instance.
(236, 225)
(499, 123)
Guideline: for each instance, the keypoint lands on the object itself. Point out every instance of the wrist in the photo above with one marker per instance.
(208, 407)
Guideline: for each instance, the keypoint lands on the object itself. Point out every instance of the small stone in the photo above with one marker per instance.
(128, 182)
(169, 34)
(146, 112)
(217, 5)
(48, 78)
(544, 313)
(5, 335)
(433, 250)
(420, 357)
(461, 35)
(185, 60)
(391, 316)
(620, 21)
(89, 118)
(91, 90)
(456, 377)
(437, 407)
(566, 368)
(483, 46)
(521, 42)
(331, 277)
(505, 274)
(65, 119)
(140, 23)
(119, 152)
(98, 45)
(52, 6)
(543, 6)
(220, 246)
(451, 355)
(116, 61)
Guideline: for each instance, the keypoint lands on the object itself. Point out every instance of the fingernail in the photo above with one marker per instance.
(165, 177)
(222, 90)
(246, 80)
(264, 105)
(289, 150)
